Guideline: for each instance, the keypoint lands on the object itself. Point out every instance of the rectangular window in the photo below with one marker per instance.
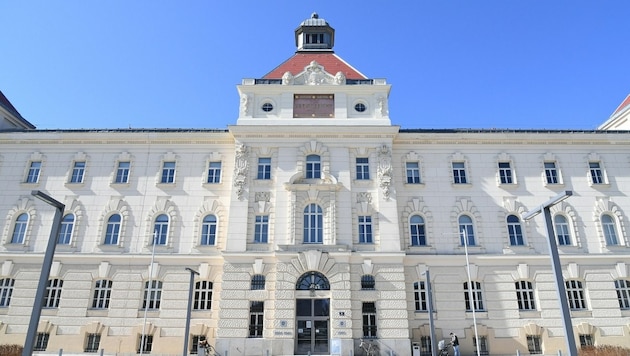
(534, 344)
(363, 168)
(420, 296)
(368, 310)
(365, 230)
(33, 172)
(256, 319)
(6, 290)
(425, 346)
(92, 342)
(214, 172)
(145, 344)
(313, 167)
(483, 343)
(264, 168)
(168, 173)
(459, 173)
(586, 340)
(505, 173)
(102, 293)
(597, 175)
(413, 172)
(122, 172)
(622, 286)
(77, 172)
(53, 293)
(152, 295)
(525, 295)
(202, 295)
(261, 229)
(476, 295)
(551, 173)
(575, 295)
(41, 342)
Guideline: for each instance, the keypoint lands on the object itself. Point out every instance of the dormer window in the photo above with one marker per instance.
(314, 38)
(314, 34)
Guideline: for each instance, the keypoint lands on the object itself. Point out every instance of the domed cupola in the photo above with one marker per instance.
(314, 34)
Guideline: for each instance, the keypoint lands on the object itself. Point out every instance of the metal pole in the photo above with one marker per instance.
(430, 307)
(149, 297)
(562, 293)
(470, 292)
(190, 297)
(38, 303)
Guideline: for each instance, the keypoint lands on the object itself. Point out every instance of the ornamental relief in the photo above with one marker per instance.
(313, 74)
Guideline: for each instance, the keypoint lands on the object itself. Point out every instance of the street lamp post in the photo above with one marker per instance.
(557, 268)
(31, 334)
(190, 297)
(430, 309)
(471, 298)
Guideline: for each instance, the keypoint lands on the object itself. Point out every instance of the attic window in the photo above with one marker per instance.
(359, 107)
(267, 107)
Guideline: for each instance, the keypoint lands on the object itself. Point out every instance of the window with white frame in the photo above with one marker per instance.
(6, 290)
(41, 342)
(477, 301)
(202, 295)
(145, 344)
(368, 310)
(505, 173)
(78, 171)
(65, 230)
(417, 231)
(622, 287)
(459, 172)
(313, 224)
(258, 282)
(256, 318)
(365, 229)
(214, 172)
(562, 230)
(367, 282)
(208, 230)
(466, 231)
(534, 344)
(33, 172)
(261, 229)
(264, 168)
(19, 229)
(92, 342)
(610, 230)
(420, 296)
(102, 293)
(413, 172)
(552, 175)
(160, 228)
(53, 293)
(152, 295)
(525, 295)
(112, 231)
(515, 231)
(575, 295)
(597, 173)
(168, 172)
(313, 167)
(363, 168)
(122, 172)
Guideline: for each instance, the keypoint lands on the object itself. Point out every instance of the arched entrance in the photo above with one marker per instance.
(312, 314)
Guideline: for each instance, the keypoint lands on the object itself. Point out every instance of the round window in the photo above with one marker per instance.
(360, 107)
(267, 107)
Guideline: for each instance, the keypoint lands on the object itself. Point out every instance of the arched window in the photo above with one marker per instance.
(416, 231)
(258, 282)
(367, 282)
(515, 231)
(562, 230)
(467, 230)
(19, 229)
(161, 229)
(610, 230)
(313, 167)
(65, 231)
(209, 230)
(313, 224)
(112, 232)
(312, 280)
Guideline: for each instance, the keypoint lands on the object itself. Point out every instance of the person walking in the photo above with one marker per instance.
(455, 344)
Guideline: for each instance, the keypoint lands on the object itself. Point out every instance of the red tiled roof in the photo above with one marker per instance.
(623, 105)
(330, 61)
(7, 105)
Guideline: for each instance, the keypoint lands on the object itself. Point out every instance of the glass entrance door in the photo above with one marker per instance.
(312, 323)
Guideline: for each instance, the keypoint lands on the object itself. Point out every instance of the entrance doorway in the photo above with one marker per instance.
(312, 326)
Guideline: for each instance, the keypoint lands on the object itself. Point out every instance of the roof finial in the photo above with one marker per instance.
(314, 15)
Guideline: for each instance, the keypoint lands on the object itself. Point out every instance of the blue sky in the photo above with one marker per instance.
(451, 63)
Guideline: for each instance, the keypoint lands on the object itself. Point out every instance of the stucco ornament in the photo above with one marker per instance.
(287, 78)
(245, 104)
(340, 78)
(315, 74)
(240, 169)
(384, 170)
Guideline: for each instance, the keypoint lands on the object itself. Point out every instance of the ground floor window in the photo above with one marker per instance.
(41, 342)
(369, 320)
(145, 344)
(425, 346)
(483, 343)
(256, 316)
(534, 344)
(586, 340)
(92, 342)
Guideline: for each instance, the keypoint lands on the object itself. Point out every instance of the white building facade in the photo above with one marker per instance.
(312, 222)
